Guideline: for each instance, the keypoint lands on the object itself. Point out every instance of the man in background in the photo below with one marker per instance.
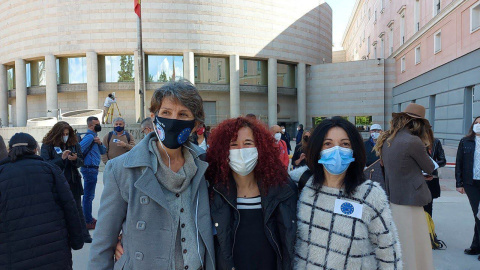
(118, 141)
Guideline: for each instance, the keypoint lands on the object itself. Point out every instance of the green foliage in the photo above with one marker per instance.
(126, 69)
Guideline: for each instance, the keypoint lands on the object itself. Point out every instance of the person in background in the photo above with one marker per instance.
(403, 149)
(375, 131)
(276, 132)
(286, 138)
(92, 149)
(118, 141)
(109, 100)
(251, 116)
(146, 126)
(436, 153)
(344, 221)
(200, 138)
(253, 201)
(3, 149)
(299, 137)
(298, 159)
(157, 195)
(60, 147)
(208, 130)
(467, 174)
(39, 223)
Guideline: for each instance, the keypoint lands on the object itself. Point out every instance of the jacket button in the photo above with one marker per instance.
(177, 195)
(181, 210)
(183, 239)
(144, 200)
(141, 225)
(186, 266)
(183, 225)
(216, 224)
(139, 256)
(184, 251)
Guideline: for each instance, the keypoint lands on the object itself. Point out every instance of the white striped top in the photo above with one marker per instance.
(249, 203)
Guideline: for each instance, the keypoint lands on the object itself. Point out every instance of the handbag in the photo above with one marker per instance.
(376, 173)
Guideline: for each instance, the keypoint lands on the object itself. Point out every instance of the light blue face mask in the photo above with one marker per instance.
(336, 159)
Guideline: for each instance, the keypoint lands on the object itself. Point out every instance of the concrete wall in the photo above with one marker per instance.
(298, 31)
(339, 56)
(350, 89)
(449, 88)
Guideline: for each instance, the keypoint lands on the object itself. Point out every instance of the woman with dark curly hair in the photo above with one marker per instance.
(253, 201)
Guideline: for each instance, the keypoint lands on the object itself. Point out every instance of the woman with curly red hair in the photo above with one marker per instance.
(253, 201)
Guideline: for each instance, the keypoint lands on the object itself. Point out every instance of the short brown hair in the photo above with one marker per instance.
(184, 92)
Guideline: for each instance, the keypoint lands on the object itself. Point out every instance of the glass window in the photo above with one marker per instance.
(119, 68)
(475, 17)
(164, 68)
(207, 74)
(250, 73)
(437, 43)
(363, 123)
(41, 73)
(285, 75)
(402, 64)
(29, 75)
(417, 55)
(77, 70)
(58, 70)
(10, 78)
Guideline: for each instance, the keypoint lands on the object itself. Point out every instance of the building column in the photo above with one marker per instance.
(272, 92)
(302, 94)
(51, 85)
(92, 80)
(189, 66)
(3, 96)
(138, 96)
(234, 85)
(21, 92)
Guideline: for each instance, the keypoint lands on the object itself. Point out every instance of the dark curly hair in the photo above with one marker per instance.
(269, 171)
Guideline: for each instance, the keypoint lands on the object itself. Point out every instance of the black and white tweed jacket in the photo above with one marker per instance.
(326, 240)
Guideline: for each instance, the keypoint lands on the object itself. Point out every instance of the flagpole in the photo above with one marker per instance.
(141, 90)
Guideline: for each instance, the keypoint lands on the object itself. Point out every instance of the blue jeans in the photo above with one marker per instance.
(89, 184)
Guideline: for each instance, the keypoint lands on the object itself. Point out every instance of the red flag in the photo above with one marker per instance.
(138, 8)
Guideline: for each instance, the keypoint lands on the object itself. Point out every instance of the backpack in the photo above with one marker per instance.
(110, 134)
(304, 179)
(79, 139)
(436, 243)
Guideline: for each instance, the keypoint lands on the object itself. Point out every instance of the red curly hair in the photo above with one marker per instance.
(269, 171)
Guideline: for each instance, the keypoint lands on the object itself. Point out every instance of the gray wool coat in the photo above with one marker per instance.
(133, 203)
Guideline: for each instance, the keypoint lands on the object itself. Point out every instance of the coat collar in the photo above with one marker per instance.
(8, 160)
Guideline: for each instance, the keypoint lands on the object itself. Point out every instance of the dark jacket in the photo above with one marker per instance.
(299, 136)
(464, 162)
(438, 155)
(39, 221)
(371, 155)
(403, 160)
(68, 167)
(3, 149)
(280, 220)
(296, 155)
(286, 138)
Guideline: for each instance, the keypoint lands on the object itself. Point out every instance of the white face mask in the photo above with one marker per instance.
(476, 128)
(243, 161)
(283, 130)
(375, 135)
(65, 139)
(278, 136)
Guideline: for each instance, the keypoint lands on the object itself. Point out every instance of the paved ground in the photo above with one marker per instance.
(452, 215)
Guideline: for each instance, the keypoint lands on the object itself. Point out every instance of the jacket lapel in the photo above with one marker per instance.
(148, 184)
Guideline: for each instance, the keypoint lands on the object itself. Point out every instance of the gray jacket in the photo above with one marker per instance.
(133, 203)
(404, 161)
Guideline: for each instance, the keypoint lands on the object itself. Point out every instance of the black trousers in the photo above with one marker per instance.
(78, 202)
(429, 208)
(473, 193)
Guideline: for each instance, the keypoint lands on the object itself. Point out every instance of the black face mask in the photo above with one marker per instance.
(306, 138)
(173, 133)
(98, 128)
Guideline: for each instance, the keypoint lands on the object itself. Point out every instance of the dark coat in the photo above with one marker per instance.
(3, 149)
(286, 138)
(280, 220)
(404, 159)
(296, 155)
(438, 155)
(464, 162)
(371, 155)
(39, 221)
(69, 168)
(299, 136)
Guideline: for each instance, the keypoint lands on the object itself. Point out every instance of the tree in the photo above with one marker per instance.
(126, 69)
(163, 76)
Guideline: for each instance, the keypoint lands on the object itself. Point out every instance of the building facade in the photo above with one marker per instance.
(435, 45)
(244, 56)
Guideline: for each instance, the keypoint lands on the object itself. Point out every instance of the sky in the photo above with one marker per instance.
(342, 9)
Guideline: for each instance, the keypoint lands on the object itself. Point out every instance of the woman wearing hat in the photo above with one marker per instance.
(39, 222)
(402, 150)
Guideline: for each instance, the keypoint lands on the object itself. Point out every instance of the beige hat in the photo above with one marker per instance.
(413, 110)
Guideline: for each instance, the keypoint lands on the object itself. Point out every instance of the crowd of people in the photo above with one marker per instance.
(187, 197)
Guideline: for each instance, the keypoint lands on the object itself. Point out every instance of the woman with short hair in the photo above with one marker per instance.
(253, 202)
(60, 147)
(39, 223)
(156, 194)
(344, 221)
